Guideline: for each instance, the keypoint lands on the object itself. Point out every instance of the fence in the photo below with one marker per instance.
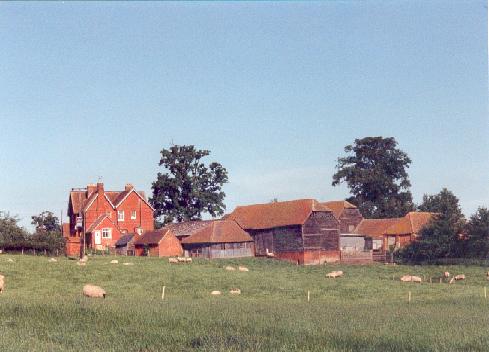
(356, 257)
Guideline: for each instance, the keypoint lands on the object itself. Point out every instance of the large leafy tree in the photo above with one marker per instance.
(188, 187)
(374, 170)
(446, 205)
(46, 221)
(11, 234)
(477, 232)
(48, 234)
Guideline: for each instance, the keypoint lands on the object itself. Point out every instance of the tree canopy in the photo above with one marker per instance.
(374, 170)
(477, 232)
(46, 221)
(446, 205)
(188, 187)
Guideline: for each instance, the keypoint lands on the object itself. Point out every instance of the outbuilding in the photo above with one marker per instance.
(160, 243)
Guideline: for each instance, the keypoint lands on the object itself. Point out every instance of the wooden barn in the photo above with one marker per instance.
(406, 229)
(374, 231)
(219, 239)
(301, 231)
(125, 244)
(160, 243)
(346, 213)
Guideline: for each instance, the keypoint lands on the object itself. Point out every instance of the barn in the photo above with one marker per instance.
(406, 229)
(301, 231)
(219, 239)
(125, 244)
(160, 243)
(347, 214)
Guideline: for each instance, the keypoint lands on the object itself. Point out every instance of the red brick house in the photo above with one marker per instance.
(101, 216)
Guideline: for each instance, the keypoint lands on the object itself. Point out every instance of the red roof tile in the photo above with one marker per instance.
(337, 206)
(219, 231)
(375, 227)
(412, 223)
(152, 237)
(276, 214)
(187, 228)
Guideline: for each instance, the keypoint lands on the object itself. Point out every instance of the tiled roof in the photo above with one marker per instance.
(187, 228)
(276, 214)
(79, 198)
(152, 237)
(124, 240)
(337, 206)
(375, 227)
(98, 221)
(413, 222)
(219, 231)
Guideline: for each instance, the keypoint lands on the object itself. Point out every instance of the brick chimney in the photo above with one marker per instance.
(90, 189)
(100, 187)
(128, 187)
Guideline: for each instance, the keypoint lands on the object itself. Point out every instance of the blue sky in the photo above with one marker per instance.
(274, 89)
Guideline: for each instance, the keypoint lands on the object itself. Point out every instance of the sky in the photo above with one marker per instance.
(275, 90)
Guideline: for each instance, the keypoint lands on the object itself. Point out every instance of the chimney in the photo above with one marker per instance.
(128, 187)
(100, 187)
(90, 189)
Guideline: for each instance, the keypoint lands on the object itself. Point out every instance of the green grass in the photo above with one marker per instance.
(42, 308)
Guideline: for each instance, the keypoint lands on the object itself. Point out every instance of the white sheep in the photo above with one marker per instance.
(334, 274)
(84, 259)
(2, 283)
(114, 261)
(411, 278)
(173, 260)
(81, 263)
(10, 260)
(215, 293)
(229, 268)
(52, 260)
(459, 277)
(127, 263)
(94, 291)
(181, 259)
(235, 291)
(243, 268)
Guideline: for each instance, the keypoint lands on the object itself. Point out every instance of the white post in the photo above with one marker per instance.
(163, 293)
(485, 291)
(409, 297)
(308, 296)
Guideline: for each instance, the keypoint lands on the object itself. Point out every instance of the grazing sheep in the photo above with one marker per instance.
(411, 278)
(10, 260)
(416, 279)
(334, 274)
(114, 261)
(53, 260)
(188, 260)
(269, 254)
(446, 274)
(2, 283)
(459, 277)
(235, 291)
(81, 263)
(230, 268)
(181, 259)
(243, 268)
(215, 293)
(127, 263)
(94, 291)
(173, 260)
(84, 259)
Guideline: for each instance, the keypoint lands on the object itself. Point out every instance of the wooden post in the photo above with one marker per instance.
(409, 297)
(22, 250)
(485, 291)
(431, 281)
(308, 296)
(163, 293)
(440, 280)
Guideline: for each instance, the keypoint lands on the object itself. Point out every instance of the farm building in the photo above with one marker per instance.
(101, 216)
(159, 243)
(219, 239)
(302, 231)
(374, 231)
(406, 229)
(346, 213)
(184, 229)
(125, 244)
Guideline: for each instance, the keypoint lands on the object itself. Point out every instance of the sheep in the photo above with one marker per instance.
(269, 254)
(229, 268)
(114, 261)
(416, 279)
(81, 263)
(188, 260)
(94, 291)
(446, 274)
(334, 274)
(84, 259)
(243, 268)
(10, 260)
(173, 260)
(215, 293)
(52, 260)
(235, 291)
(181, 259)
(411, 278)
(127, 263)
(459, 277)
(2, 283)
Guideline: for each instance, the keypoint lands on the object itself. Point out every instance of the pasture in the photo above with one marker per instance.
(42, 307)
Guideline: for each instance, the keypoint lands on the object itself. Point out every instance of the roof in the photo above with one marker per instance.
(98, 221)
(337, 206)
(124, 240)
(413, 222)
(276, 214)
(80, 202)
(219, 231)
(374, 227)
(186, 228)
(152, 237)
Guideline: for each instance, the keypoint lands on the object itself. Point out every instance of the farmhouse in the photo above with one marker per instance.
(159, 243)
(302, 231)
(346, 213)
(101, 216)
(219, 239)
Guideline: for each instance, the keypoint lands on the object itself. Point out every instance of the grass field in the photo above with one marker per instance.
(42, 308)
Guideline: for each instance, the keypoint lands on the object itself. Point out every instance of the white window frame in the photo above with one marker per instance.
(107, 233)
(133, 214)
(120, 215)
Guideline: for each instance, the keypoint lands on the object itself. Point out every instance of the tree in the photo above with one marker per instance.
(12, 236)
(374, 170)
(46, 221)
(188, 188)
(446, 205)
(477, 231)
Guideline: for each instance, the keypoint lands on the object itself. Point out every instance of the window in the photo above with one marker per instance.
(120, 215)
(106, 233)
(133, 214)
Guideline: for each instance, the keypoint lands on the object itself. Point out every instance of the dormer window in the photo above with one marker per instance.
(133, 215)
(120, 215)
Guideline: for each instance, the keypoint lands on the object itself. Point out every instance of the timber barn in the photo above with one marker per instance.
(219, 239)
(301, 231)
(346, 213)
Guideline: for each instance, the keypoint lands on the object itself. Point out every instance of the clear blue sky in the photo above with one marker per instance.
(274, 90)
